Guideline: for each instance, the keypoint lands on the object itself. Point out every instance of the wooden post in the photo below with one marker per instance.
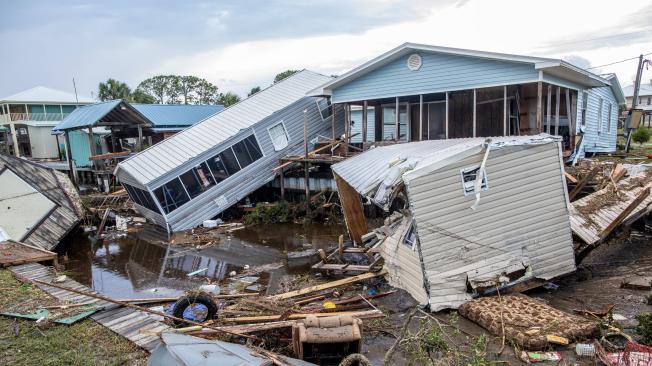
(333, 121)
(281, 181)
(474, 112)
(505, 110)
(408, 123)
(548, 102)
(139, 145)
(340, 246)
(557, 100)
(71, 172)
(91, 144)
(347, 128)
(539, 107)
(569, 115)
(306, 166)
(420, 117)
(352, 209)
(396, 121)
(446, 119)
(364, 122)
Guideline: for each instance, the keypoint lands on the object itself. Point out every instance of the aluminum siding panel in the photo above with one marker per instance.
(202, 137)
(257, 174)
(601, 141)
(523, 215)
(439, 72)
(403, 264)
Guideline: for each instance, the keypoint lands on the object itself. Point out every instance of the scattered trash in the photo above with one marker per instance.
(60, 279)
(540, 356)
(585, 349)
(194, 273)
(211, 289)
(550, 286)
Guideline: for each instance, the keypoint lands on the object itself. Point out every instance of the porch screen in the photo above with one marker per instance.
(279, 136)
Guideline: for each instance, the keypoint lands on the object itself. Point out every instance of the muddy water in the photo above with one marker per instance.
(142, 265)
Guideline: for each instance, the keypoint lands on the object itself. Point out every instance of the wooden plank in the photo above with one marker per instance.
(269, 318)
(640, 198)
(580, 185)
(352, 208)
(570, 177)
(324, 286)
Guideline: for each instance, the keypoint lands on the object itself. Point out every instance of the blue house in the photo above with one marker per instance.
(420, 92)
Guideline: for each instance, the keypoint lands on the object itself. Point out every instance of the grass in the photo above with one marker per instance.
(22, 342)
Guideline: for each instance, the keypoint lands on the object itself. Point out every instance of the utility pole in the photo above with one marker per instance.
(637, 87)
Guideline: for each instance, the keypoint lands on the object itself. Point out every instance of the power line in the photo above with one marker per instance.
(617, 62)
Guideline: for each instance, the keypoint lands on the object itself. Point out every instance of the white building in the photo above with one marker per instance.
(29, 117)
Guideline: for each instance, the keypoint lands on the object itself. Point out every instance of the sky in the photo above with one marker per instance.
(238, 45)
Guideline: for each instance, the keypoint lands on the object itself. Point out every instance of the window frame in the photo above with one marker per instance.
(485, 180)
(329, 107)
(287, 135)
(600, 115)
(609, 114)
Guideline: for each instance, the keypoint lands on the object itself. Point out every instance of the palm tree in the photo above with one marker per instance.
(113, 89)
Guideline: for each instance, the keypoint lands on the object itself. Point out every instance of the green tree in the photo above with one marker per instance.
(139, 96)
(113, 89)
(228, 99)
(282, 75)
(641, 135)
(158, 86)
(185, 86)
(206, 92)
(253, 91)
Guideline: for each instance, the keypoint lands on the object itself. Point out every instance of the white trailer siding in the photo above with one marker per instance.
(521, 222)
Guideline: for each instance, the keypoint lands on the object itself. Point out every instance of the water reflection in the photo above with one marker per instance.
(143, 265)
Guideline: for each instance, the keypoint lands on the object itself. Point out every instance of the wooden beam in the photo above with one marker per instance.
(570, 177)
(420, 117)
(396, 122)
(269, 318)
(623, 215)
(352, 208)
(475, 101)
(446, 119)
(333, 120)
(578, 188)
(548, 106)
(69, 157)
(539, 106)
(569, 115)
(505, 110)
(327, 285)
(364, 121)
(557, 100)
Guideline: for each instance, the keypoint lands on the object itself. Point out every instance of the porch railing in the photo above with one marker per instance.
(34, 117)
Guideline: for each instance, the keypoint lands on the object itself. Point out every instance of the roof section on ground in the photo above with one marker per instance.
(176, 115)
(555, 67)
(364, 172)
(46, 95)
(58, 188)
(201, 137)
(91, 115)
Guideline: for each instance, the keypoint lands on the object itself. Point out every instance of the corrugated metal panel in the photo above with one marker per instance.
(522, 220)
(86, 115)
(202, 138)
(177, 115)
(315, 184)
(439, 72)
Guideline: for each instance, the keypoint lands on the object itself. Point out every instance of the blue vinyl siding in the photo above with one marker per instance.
(603, 141)
(80, 149)
(439, 72)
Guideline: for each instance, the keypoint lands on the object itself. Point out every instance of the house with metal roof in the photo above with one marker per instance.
(478, 213)
(644, 101)
(28, 117)
(423, 92)
(110, 122)
(203, 170)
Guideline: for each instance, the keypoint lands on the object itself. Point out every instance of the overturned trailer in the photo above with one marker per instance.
(479, 213)
(205, 169)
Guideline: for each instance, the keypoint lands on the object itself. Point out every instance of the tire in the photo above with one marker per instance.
(186, 301)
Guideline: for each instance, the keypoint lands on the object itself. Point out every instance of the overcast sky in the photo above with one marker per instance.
(241, 44)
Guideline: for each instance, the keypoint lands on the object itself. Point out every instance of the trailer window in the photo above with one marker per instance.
(247, 151)
(230, 161)
(279, 136)
(171, 195)
(141, 197)
(197, 180)
(325, 107)
(469, 176)
(218, 168)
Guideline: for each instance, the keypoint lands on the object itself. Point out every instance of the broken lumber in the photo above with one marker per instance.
(570, 177)
(324, 286)
(270, 318)
(578, 188)
(619, 219)
(247, 328)
(128, 305)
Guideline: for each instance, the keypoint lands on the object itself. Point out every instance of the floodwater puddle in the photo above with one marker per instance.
(142, 265)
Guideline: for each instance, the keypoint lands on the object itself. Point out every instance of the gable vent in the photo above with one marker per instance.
(414, 62)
